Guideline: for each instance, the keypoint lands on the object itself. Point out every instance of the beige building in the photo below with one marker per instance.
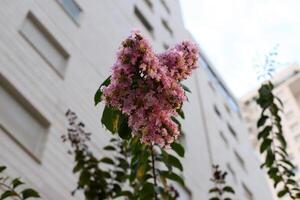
(287, 88)
(53, 56)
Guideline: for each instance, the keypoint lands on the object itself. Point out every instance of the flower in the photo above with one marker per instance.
(145, 87)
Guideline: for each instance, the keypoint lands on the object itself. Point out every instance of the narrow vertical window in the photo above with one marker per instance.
(143, 20)
(22, 122)
(71, 8)
(45, 44)
(167, 27)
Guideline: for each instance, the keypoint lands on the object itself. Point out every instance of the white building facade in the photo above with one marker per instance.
(287, 88)
(53, 56)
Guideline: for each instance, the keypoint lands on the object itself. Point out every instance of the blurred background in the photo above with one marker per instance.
(55, 53)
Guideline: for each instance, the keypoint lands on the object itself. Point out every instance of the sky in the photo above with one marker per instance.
(237, 34)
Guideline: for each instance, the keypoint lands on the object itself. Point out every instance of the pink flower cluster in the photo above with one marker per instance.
(145, 87)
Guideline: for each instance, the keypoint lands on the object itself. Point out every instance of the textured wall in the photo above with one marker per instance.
(91, 45)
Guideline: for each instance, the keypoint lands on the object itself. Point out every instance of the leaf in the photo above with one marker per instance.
(110, 119)
(185, 88)
(214, 198)
(2, 168)
(174, 162)
(264, 133)
(29, 193)
(147, 191)
(172, 176)
(214, 190)
(281, 139)
(98, 95)
(124, 131)
(78, 167)
(109, 148)
(265, 145)
(16, 182)
(270, 158)
(178, 148)
(7, 194)
(228, 189)
(262, 120)
(180, 113)
(282, 192)
(107, 161)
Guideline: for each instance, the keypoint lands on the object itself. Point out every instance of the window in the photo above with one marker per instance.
(167, 27)
(227, 108)
(248, 194)
(240, 160)
(165, 6)
(143, 20)
(22, 122)
(231, 130)
(149, 4)
(231, 172)
(71, 8)
(224, 138)
(217, 111)
(45, 44)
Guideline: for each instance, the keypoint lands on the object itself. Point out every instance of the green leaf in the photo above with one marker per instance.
(124, 131)
(2, 168)
(264, 133)
(174, 162)
(228, 189)
(281, 139)
(265, 145)
(111, 119)
(98, 95)
(7, 194)
(262, 120)
(78, 167)
(107, 161)
(180, 113)
(185, 88)
(282, 192)
(84, 178)
(147, 191)
(172, 176)
(178, 148)
(16, 182)
(270, 158)
(214, 190)
(214, 198)
(109, 148)
(29, 193)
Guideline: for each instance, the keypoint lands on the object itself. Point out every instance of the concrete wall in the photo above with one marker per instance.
(91, 45)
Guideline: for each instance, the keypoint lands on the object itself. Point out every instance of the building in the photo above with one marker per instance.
(53, 56)
(286, 87)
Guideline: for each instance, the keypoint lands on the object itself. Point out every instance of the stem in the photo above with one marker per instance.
(3, 185)
(273, 146)
(153, 170)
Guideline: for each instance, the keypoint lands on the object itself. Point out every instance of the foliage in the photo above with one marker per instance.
(266, 65)
(143, 96)
(127, 170)
(273, 144)
(11, 188)
(220, 190)
(144, 91)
